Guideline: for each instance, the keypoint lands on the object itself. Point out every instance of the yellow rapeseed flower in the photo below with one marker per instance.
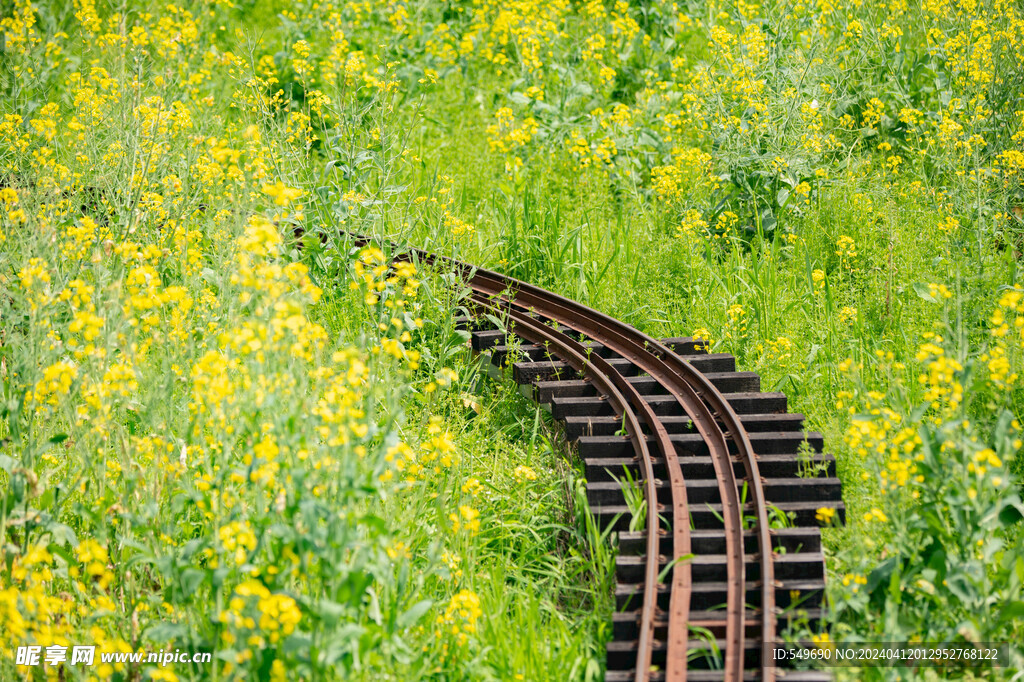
(282, 194)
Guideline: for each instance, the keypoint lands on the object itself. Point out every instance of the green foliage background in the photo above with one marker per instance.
(830, 191)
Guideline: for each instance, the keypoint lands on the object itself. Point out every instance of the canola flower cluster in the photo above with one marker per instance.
(1004, 357)
(947, 504)
(722, 146)
(890, 436)
(680, 123)
(190, 452)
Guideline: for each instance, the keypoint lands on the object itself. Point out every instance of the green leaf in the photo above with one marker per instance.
(165, 632)
(646, 138)
(62, 534)
(297, 643)
(923, 291)
(191, 579)
(219, 575)
(961, 588)
(7, 463)
(1012, 512)
(880, 575)
(1012, 611)
(410, 617)
(373, 608)
(329, 611)
(61, 551)
(670, 565)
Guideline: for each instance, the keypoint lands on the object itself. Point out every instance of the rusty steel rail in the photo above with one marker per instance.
(529, 313)
(691, 389)
(617, 390)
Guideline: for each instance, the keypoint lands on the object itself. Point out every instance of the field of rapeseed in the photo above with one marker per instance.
(226, 429)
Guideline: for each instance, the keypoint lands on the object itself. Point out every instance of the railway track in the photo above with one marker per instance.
(725, 545)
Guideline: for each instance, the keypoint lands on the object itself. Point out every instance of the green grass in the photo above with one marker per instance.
(793, 181)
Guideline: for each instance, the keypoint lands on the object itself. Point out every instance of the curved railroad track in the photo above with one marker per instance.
(729, 545)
